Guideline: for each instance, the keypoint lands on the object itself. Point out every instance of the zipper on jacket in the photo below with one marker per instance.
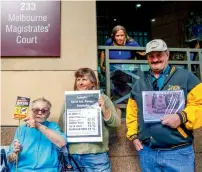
(149, 83)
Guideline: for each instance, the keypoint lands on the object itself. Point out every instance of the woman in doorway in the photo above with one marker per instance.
(119, 37)
(120, 84)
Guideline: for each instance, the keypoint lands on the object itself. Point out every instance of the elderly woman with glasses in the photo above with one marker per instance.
(37, 143)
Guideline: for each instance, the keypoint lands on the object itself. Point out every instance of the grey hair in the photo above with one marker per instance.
(42, 99)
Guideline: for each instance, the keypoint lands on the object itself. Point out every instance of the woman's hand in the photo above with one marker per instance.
(102, 68)
(102, 59)
(141, 53)
(31, 122)
(101, 103)
(16, 146)
(106, 112)
(16, 150)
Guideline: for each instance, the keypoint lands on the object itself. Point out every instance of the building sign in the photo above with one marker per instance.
(83, 117)
(30, 28)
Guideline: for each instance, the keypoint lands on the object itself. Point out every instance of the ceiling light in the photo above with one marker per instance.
(114, 19)
(153, 20)
(138, 5)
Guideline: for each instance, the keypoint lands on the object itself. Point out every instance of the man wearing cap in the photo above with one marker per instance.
(165, 145)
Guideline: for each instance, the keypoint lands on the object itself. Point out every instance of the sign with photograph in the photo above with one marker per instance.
(157, 104)
(30, 28)
(83, 117)
(21, 107)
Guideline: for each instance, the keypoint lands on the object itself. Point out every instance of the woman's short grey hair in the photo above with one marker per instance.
(42, 99)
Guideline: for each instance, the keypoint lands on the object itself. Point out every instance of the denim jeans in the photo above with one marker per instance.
(177, 160)
(92, 162)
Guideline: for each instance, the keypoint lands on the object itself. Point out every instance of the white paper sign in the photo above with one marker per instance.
(83, 118)
(157, 104)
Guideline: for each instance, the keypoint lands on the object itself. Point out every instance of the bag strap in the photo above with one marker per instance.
(77, 166)
(65, 163)
(70, 157)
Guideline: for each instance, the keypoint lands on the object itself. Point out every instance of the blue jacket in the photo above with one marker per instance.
(38, 153)
(119, 54)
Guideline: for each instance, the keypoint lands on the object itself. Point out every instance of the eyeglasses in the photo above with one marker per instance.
(43, 111)
(155, 85)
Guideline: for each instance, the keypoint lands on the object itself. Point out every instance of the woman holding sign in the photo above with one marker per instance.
(37, 143)
(93, 156)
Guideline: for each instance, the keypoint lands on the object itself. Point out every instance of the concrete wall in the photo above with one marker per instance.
(49, 76)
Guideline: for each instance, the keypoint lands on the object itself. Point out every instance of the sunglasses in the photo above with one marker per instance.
(43, 111)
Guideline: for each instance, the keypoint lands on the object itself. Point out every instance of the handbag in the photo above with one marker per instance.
(66, 160)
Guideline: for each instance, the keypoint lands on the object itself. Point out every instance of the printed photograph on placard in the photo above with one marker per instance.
(157, 104)
(21, 107)
(83, 118)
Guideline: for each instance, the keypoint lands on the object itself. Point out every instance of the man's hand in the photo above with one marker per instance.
(138, 145)
(171, 120)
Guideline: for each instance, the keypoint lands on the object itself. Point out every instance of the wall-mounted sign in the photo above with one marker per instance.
(30, 28)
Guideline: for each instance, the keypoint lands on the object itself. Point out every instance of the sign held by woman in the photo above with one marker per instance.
(83, 118)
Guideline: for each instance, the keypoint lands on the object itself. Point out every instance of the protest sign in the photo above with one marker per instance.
(21, 107)
(83, 117)
(157, 104)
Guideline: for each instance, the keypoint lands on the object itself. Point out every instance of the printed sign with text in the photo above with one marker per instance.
(83, 116)
(21, 107)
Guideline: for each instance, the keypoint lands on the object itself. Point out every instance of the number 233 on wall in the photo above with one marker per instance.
(30, 28)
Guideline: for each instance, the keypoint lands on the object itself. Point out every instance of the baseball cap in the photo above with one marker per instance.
(156, 45)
